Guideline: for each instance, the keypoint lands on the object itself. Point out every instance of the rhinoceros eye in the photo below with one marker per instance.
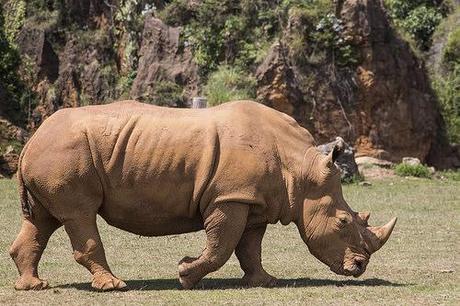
(344, 219)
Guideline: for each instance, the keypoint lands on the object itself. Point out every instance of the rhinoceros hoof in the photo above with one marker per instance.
(262, 279)
(30, 283)
(107, 282)
(187, 277)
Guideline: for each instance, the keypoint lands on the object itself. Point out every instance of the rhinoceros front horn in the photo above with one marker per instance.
(380, 234)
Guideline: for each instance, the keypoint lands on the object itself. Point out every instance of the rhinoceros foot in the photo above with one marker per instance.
(261, 279)
(188, 276)
(30, 283)
(107, 282)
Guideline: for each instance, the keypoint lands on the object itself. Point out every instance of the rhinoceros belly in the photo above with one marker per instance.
(146, 217)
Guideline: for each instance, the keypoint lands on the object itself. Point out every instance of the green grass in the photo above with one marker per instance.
(418, 265)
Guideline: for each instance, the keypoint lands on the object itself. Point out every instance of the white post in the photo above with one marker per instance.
(199, 102)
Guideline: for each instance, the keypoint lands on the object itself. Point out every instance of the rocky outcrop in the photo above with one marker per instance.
(385, 107)
(163, 58)
(276, 84)
(394, 95)
(93, 52)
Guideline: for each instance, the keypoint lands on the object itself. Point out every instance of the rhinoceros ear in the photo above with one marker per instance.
(337, 150)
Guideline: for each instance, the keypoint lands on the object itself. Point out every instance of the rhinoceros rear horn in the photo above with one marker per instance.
(380, 234)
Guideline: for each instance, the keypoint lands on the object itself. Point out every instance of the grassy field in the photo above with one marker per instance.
(419, 264)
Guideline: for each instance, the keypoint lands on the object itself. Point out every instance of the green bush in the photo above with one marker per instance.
(16, 98)
(419, 18)
(176, 13)
(167, 93)
(354, 179)
(227, 84)
(451, 52)
(15, 14)
(447, 89)
(410, 170)
(224, 32)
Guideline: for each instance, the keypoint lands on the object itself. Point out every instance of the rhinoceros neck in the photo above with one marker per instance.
(294, 181)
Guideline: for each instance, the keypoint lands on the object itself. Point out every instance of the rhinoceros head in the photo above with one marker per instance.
(333, 232)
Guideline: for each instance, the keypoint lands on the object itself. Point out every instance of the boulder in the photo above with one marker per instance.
(374, 168)
(346, 160)
(364, 161)
(411, 161)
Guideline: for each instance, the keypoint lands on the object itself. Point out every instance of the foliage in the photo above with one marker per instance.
(419, 18)
(447, 88)
(124, 84)
(316, 35)
(329, 36)
(166, 93)
(420, 170)
(14, 14)
(354, 179)
(227, 84)
(224, 32)
(13, 92)
(177, 13)
(129, 23)
(451, 52)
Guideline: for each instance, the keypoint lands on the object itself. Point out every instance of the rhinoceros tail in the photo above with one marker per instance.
(23, 193)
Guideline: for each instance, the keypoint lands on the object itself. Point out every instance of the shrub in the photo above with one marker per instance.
(167, 93)
(176, 13)
(412, 170)
(447, 89)
(451, 52)
(419, 18)
(16, 98)
(227, 84)
(354, 179)
(224, 32)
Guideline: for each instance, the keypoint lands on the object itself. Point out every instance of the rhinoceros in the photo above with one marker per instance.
(154, 171)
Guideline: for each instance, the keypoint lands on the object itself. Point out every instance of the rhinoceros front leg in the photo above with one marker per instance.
(224, 225)
(249, 251)
(89, 252)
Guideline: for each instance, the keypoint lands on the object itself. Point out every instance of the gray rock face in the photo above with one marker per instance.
(276, 83)
(345, 161)
(34, 44)
(163, 58)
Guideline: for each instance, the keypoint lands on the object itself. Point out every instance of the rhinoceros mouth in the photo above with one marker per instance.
(356, 268)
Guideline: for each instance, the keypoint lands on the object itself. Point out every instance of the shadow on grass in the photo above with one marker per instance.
(235, 283)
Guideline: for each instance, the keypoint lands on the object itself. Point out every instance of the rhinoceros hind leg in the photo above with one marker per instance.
(89, 252)
(248, 252)
(224, 225)
(28, 247)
